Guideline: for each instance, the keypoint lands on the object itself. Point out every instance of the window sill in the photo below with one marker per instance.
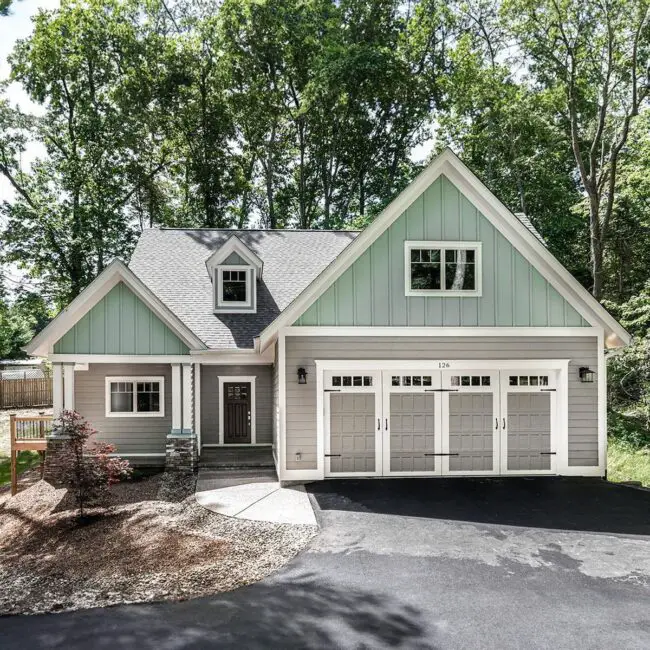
(444, 294)
(158, 414)
(231, 310)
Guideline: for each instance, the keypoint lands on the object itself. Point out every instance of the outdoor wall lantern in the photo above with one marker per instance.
(302, 376)
(587, 375)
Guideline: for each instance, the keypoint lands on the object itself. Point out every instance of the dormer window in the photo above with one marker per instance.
(234, 270)
(234, 286)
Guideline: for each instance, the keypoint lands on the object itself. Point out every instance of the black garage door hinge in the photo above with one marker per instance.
(442, 454)
(548, 390)
(332, 455)
(548, 453)
(441, 390)
(332, 390)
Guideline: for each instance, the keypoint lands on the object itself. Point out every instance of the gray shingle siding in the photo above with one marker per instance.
(210, 400)
(131, 435)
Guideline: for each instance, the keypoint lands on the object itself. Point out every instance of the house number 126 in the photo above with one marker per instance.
(444, 364)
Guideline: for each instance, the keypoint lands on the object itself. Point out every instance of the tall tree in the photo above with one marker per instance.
(591, 57)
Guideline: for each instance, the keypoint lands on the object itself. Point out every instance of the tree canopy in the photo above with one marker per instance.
(308, 114)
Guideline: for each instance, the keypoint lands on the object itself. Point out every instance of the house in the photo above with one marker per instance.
(444, 339)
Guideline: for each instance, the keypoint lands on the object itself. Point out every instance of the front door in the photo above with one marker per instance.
(237, 413)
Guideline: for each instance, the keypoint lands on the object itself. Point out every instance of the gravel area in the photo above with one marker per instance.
(5, 444)
(153, 543)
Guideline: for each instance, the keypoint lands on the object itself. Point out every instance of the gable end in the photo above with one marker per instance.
(371, 292)
(120, 323)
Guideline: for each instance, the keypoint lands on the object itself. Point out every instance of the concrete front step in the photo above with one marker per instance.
(236, 458)
(214, 479)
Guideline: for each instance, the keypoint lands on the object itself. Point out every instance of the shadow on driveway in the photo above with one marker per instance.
(296, 612)
(590, 505)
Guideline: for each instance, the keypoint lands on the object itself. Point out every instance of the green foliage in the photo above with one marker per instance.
(26, 460)
(87, 468)
(626, 463)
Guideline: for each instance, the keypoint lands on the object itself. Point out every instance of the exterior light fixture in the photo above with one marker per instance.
(587, 375)
(302, 376)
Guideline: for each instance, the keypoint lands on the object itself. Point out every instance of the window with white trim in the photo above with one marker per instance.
(234, 289)
(442, 268)
(135, 396)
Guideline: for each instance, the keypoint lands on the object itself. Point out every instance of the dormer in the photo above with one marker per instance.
(234, 270)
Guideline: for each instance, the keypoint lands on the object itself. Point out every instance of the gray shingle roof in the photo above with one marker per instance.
(171, 263)
(525, 219)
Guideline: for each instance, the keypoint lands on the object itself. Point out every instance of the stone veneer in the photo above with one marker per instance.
(52, 470)
(181, 452)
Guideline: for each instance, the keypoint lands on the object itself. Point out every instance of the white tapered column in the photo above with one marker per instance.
(68, 386)
(188, 419)
(177, 398)
(57, 389)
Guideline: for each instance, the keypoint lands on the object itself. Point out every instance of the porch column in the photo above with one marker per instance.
(57, 389)
(176, 398)
(188, 419)
(68, 386)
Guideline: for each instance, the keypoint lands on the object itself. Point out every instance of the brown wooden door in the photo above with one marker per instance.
(237, 413)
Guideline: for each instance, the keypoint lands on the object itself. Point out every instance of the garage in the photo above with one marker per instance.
(443, 418)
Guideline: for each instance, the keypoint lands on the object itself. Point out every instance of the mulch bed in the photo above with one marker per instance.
(153, 542)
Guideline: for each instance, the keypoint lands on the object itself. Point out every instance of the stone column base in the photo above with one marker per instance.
(181, 452)
(52, 471)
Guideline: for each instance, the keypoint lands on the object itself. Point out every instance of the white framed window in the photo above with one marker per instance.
(234, 287)
(135, 397)
(442, 268)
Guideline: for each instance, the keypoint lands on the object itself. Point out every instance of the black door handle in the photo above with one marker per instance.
(504, 423)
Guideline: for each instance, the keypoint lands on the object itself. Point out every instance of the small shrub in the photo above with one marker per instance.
(628, 429)
(86, 467)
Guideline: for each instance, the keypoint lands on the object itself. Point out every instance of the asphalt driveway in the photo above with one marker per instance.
(445, 563)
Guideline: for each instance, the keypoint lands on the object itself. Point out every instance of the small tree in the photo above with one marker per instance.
(87, 469)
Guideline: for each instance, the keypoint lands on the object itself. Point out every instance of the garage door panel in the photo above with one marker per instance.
(471, 435)
(529, 431)
(412, 432)
(352, 433)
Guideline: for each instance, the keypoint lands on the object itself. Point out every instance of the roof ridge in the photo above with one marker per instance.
(269, 230)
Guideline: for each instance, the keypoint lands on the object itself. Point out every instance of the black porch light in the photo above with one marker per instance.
(587, 375)
(302, 376)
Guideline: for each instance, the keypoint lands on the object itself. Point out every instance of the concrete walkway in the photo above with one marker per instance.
(255, 496)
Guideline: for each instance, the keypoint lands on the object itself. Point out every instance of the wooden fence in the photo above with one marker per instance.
(25, 393)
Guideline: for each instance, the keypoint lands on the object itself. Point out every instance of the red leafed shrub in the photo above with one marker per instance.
(86, 467)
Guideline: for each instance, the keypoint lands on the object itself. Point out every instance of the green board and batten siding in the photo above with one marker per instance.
(371, 292)
(120, 323)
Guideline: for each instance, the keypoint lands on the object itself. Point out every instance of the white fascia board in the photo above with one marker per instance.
(369, 331)
(536, 253)
(233, 357)
(441, 363)
(114, 273)
(450, 165)
(235, 245)
(120, 358)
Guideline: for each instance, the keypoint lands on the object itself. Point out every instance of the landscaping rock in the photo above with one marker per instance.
(154, 542)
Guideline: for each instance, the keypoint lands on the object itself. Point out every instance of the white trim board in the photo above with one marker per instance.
(116, 272)
(233, 379)
(506, 222)
(119, 358)
(365, 331)
(443, 247)
(133, 379)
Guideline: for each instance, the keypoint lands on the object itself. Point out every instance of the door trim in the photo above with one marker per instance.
(228, 379)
